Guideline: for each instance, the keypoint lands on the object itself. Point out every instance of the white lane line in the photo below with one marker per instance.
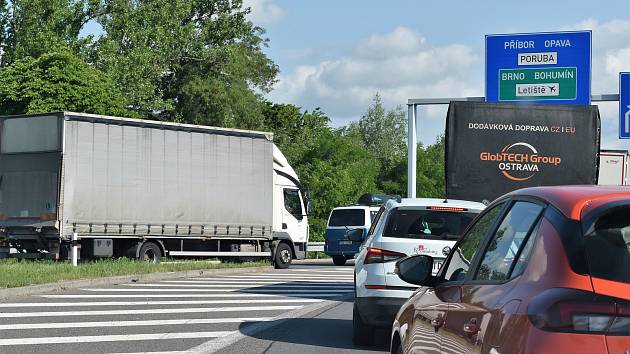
(174, 352)
(239, 281)
(285, 276)
(244, 286)
(349, 271)
(145, 312)
(191, 321)
(111, 338)
(283, 280)
(150, 303)
(218, 290)
(184, 296)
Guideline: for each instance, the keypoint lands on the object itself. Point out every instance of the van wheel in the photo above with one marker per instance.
(283, 256)
(362, 333)
(150, 252)
(339, 260)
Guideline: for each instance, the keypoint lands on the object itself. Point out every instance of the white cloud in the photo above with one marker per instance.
(402, 64)
(611, 55)
(264, 12)
(399, 65)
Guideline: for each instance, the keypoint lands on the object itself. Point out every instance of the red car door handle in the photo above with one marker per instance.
(471, 327)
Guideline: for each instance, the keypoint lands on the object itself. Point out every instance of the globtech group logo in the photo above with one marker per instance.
(520, 161)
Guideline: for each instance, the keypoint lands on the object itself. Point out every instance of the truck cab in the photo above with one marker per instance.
(291, 206)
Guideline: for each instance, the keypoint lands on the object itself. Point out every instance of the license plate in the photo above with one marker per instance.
(345, 242)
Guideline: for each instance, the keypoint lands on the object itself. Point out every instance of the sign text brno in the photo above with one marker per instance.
(539, 67)
(624, 105)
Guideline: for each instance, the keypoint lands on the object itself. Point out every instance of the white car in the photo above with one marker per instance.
(401, 229)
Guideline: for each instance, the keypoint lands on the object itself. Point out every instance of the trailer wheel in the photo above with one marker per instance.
(283, 256)
(150, 252)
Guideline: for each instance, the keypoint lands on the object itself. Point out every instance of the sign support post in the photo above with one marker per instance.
(624, 105)
(412, 142)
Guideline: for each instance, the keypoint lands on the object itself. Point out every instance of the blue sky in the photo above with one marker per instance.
(337, 54)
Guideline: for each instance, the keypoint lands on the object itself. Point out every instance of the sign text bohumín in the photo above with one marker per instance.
(539, 68)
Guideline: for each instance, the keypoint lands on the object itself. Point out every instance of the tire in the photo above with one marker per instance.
(396, 346)
(339, 260)
(283, 256)
(362, 333)
(150, 252)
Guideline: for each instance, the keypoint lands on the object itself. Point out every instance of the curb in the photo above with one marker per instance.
(121, 279)
(216, 345)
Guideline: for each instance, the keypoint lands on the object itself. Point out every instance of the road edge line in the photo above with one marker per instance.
(8, 293)
(215, 345)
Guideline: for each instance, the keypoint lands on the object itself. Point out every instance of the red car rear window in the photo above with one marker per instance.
(608, 246)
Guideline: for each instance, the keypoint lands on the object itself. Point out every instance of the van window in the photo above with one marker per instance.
(347, 217)
(608, 246)
(427, 224)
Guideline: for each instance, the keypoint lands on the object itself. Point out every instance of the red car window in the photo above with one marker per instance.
(465, 251)
(506, 243)
(608, 246)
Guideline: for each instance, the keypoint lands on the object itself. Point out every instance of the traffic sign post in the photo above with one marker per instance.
(624, 105)
(539, 68)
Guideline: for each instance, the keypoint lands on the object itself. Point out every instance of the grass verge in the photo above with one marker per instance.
(22, 273)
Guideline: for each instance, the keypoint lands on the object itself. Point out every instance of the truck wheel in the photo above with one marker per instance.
(339, 260)
(283, 256)
(150, 252)
(362, 333)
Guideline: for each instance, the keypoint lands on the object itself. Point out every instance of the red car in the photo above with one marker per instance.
(541, 270)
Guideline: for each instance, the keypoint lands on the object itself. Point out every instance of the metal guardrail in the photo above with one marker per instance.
(315, 247)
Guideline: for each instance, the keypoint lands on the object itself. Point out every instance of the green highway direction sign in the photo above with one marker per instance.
(538, 84)
(552, 68)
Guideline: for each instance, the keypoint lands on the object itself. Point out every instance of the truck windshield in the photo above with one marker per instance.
(608, 246)
(423, 224)
(347, 217)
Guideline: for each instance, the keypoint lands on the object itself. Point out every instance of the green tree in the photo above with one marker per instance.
(336, 171)
(57, 82)
(383, 133)
(334, 167)
(31, 28)
(194, 61)
(431, 182)
(295, 131)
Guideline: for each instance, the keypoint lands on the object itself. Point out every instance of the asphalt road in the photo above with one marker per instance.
(231, 313)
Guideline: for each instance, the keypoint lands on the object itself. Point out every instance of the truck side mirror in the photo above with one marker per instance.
(415, 269)
(355, 235)
(309, 208)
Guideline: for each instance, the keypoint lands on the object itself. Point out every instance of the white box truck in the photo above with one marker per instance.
(613, 167)
(145, 189)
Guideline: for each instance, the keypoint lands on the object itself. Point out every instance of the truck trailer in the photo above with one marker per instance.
(613, 167)
(144, 189)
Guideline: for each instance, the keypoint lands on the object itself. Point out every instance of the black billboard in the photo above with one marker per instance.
(493, 149)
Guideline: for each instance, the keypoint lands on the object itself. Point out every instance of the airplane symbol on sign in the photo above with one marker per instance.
(552, 88)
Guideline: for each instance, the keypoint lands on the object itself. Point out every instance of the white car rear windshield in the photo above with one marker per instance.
(347, 217)
(427, 224)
